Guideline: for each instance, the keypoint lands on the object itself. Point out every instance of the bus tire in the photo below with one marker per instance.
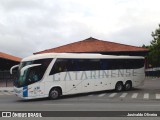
(54, 93)
(119, 86)
(128, 85)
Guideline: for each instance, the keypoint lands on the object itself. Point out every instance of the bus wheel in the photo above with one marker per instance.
(54, 93)
(119, 86)
(128, 86)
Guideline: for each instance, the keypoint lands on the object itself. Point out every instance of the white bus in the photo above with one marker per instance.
(55, 74)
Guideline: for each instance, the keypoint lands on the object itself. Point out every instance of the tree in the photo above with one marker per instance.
(154, 54)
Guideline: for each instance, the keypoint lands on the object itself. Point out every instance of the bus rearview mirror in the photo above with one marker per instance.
(13, 67)
(28, 66)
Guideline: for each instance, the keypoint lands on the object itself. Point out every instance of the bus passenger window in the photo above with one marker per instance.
(59, 66)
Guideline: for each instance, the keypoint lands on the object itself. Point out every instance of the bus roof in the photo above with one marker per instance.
(77, 55)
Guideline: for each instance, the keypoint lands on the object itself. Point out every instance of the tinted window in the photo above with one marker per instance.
(111, 64)
(63, 65)
(88, 64)
(33, 74)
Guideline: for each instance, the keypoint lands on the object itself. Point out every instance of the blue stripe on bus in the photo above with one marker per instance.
(25, 91)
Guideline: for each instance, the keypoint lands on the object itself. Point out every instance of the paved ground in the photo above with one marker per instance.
(136, 94)
(146, 98)
(150, 91)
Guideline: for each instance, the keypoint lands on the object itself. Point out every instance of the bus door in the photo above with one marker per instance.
(33, 77)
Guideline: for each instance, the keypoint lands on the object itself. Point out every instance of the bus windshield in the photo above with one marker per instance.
(32, 74)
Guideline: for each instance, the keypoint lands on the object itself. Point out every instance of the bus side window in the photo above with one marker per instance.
(59, 66)
(103, 64)
(56, 68)
(94, 64)
(71, 65)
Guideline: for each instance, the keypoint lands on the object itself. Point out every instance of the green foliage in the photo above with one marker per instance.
(154, 54)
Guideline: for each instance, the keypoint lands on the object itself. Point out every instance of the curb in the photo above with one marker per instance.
(6, 89)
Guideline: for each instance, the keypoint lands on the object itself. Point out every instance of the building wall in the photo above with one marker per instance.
(6, 64)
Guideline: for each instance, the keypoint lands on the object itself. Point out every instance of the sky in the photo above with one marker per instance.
(28, 26)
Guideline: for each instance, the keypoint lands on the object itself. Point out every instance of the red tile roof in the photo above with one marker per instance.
(9, 57)
(93, 45)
